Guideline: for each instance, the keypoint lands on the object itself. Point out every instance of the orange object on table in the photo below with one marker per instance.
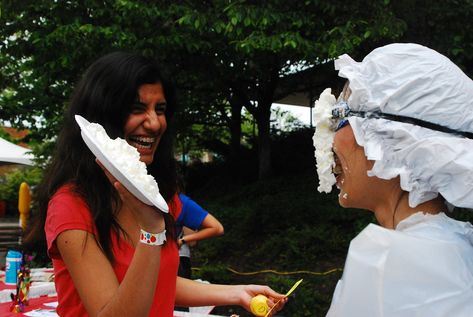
(24, 201)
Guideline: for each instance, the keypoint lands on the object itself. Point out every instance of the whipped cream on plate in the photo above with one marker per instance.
(125, 156)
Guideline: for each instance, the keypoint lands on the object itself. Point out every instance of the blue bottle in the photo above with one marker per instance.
(13, 264)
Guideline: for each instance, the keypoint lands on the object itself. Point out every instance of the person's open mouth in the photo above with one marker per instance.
(337, 170)
(141, 142)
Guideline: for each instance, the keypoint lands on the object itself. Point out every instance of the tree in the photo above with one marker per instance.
(442, 25)
(45, 46)
(254, 49)
(224, 55)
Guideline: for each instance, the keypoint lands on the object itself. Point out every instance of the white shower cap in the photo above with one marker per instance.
(411, 80)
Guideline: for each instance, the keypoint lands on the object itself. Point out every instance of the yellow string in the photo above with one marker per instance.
(285, 273)
(280, 273)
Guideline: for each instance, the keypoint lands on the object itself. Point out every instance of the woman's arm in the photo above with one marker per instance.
(190, 293)
(95, 280)
(210, 227)
(93, 274)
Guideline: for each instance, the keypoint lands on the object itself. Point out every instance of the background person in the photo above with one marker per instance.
(403, 150)
(193, 224)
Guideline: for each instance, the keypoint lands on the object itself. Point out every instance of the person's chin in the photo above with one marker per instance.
(147, 159)
(146, 155)
(343, 199)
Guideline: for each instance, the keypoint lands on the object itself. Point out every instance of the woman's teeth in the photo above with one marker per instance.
(142, 142)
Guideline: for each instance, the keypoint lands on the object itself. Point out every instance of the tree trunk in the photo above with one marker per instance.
(264, 141)
(235, 130)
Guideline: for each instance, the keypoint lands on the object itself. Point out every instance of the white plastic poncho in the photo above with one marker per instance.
(424, 268)
(414, 81)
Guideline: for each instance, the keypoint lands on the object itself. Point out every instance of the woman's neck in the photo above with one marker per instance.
(397, 209)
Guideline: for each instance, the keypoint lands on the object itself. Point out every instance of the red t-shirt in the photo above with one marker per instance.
(68, 211)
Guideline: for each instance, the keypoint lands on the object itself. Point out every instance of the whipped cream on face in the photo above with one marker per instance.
(323, 140)
(125, 157)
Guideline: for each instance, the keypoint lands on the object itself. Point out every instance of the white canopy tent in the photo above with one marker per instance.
(299, 99)
(303, 99)
(14, 154)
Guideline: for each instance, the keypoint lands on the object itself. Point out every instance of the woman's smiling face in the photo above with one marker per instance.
(146, 123)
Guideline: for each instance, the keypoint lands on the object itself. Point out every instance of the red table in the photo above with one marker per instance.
(34, 303)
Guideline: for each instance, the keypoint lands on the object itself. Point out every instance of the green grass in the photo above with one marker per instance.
(280, 224)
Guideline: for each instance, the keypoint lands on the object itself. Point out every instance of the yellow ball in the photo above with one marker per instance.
(259, 305)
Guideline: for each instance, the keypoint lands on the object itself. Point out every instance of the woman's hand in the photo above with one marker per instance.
(148, 217)
(191, 293)
(247, 292)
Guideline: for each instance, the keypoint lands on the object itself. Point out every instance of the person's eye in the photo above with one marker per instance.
(160, 108)
(137, 107)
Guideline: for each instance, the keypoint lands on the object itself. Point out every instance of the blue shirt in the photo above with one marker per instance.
(192, 215)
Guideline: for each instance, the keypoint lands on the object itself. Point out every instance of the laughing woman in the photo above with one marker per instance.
(92, 223)
(403, 149)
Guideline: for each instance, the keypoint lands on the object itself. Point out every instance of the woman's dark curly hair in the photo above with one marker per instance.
(104, 95)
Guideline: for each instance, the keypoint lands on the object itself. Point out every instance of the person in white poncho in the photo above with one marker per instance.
(403, 148)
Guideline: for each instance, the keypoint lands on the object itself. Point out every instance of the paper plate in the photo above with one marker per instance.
(152, 199)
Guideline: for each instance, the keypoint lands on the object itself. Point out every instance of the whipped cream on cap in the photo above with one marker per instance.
(323, 140)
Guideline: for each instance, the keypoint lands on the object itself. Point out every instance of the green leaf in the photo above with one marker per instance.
(290, 43)
(86, 28)
(183, 20)
(247, 21)
(457, 51)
